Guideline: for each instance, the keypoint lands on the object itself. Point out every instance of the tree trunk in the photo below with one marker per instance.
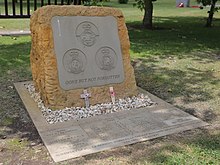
(77, 2)
(148, 14)
(211, 13)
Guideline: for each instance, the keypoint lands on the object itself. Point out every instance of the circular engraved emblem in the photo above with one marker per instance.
(74, 61)
(106, 58)
(87, 33)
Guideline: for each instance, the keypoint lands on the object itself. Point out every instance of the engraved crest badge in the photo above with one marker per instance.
(74, 61)
(87, 33)
(106, 58)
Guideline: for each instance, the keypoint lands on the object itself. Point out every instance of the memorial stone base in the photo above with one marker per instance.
(90, 135)
(76, 48)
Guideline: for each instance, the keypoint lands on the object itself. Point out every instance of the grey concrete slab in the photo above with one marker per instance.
(77, 138)
(88, 51)
(14, 32)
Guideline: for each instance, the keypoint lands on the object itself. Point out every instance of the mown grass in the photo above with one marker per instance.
(178, 35)
(179, 61)
(14, 55)
(202, 150)
(14, 24)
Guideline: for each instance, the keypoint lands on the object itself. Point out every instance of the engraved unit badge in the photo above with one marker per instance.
(74, 61)
(106, 58)
(87, 33)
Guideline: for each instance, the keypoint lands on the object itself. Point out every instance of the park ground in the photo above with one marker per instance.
(178, 61)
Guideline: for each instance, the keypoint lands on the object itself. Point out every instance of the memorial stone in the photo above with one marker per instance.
(76, 48)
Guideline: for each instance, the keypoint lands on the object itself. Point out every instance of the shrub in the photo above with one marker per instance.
(123, 1)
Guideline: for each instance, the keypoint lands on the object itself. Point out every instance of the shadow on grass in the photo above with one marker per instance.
(175, 36)
(182, 41)
(207, 115)
(15, 67)
(168, 83)
(14, 55)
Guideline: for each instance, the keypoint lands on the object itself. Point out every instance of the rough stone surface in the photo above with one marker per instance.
(44, 64)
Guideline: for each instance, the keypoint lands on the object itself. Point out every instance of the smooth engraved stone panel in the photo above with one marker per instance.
(88, 51)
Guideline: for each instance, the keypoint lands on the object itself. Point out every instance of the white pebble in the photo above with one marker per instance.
(75, 113)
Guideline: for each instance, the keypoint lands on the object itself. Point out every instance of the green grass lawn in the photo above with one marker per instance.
(178, 61)
(162, 8)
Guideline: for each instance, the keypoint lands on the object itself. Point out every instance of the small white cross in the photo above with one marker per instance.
(112, 94)
(86, 96)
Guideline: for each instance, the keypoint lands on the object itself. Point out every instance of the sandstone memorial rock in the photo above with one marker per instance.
(77, 48)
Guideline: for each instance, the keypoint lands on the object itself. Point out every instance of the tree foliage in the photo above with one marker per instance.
(212, 10)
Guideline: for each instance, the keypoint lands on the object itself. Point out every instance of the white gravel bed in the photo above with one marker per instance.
(76, 113)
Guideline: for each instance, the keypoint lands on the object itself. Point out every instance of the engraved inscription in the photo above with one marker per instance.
(87, 33)
(106, 58)
(92, 79)
(179, 120)
(74, 61)
(143, 123)
(113, 129)
(109, 132)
